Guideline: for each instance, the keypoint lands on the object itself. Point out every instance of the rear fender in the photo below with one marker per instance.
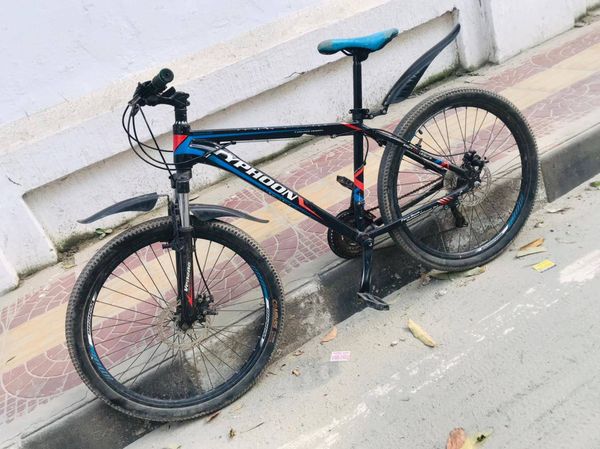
(409, 79)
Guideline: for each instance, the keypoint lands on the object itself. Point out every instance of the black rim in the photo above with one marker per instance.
(136, 346)
(491, 210)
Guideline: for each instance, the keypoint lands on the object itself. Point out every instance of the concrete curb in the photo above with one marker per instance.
(571, 163)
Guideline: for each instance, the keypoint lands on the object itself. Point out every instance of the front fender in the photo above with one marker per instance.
(142, 203)
(205, 212)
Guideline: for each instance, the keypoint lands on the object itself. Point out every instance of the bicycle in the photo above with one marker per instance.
(178, 316)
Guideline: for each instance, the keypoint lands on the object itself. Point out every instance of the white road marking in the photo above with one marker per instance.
(325, 434)
(583, 269)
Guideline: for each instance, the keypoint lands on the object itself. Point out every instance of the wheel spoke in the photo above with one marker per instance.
(138, 337)
(487, 205)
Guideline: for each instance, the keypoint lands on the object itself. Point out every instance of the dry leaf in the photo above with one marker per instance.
(475, 441)
(557, 210)
(296, 372)
(472, 272)
(330, 336)
(534, 244)
(252, 428)
(231, 433)
(444, 275)
(299, 352)
(425, 278)
(441, 275)
(213, 416)
(530, 251)
(420, 334)
(456, 439)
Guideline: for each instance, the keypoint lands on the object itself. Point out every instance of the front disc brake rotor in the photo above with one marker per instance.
(176, 338)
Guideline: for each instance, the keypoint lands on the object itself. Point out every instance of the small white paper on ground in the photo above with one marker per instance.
(340, 356)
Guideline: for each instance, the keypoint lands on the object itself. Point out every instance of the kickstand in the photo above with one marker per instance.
(373, 301)
(364, 294)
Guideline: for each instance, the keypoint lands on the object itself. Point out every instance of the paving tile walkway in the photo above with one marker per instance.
(554, 85)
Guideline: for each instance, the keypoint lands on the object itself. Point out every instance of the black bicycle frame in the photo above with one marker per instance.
(211, 147)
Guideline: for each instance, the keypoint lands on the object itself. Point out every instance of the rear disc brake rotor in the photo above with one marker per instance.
(479, 192)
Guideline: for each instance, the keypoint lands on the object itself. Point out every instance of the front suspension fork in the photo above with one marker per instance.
(184, 252)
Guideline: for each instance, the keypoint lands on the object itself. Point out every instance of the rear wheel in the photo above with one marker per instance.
(124, 338)
(461, 126)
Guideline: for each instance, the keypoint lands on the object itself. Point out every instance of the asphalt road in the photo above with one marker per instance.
(518, 355)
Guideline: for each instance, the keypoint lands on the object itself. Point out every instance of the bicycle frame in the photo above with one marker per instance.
(210, 147)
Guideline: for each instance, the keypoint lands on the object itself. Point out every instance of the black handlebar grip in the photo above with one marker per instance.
(160, 81)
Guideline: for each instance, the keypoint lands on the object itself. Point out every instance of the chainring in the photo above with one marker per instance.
(341, 245)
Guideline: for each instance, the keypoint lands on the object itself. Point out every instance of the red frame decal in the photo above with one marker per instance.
(351, 126)
(357, 182)
(304, 206)
(177, 139)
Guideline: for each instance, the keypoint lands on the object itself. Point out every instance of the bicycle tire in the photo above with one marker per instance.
(83, 301)
(410, 128)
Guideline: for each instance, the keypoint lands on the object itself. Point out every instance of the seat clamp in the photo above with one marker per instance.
(364, 113)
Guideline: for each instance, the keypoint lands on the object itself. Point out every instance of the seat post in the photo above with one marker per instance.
(357, 88)
(358, 196)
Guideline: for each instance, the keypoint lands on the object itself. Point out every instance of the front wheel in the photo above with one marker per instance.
(122, 328)
(462, 127)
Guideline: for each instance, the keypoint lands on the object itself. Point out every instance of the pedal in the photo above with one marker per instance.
(345, 182)
(373, 301)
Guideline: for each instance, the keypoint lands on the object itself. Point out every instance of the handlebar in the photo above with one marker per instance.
(153, 93)
(160, 81)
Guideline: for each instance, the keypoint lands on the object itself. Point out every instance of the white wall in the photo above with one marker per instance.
(63, 155)
(516, 25)
(61, 50)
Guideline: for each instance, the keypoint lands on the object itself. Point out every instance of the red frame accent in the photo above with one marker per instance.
(351, 126)
(177, 139)
(304, 206)
(357, 182)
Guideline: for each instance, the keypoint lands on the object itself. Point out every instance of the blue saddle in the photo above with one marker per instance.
(372, 42)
